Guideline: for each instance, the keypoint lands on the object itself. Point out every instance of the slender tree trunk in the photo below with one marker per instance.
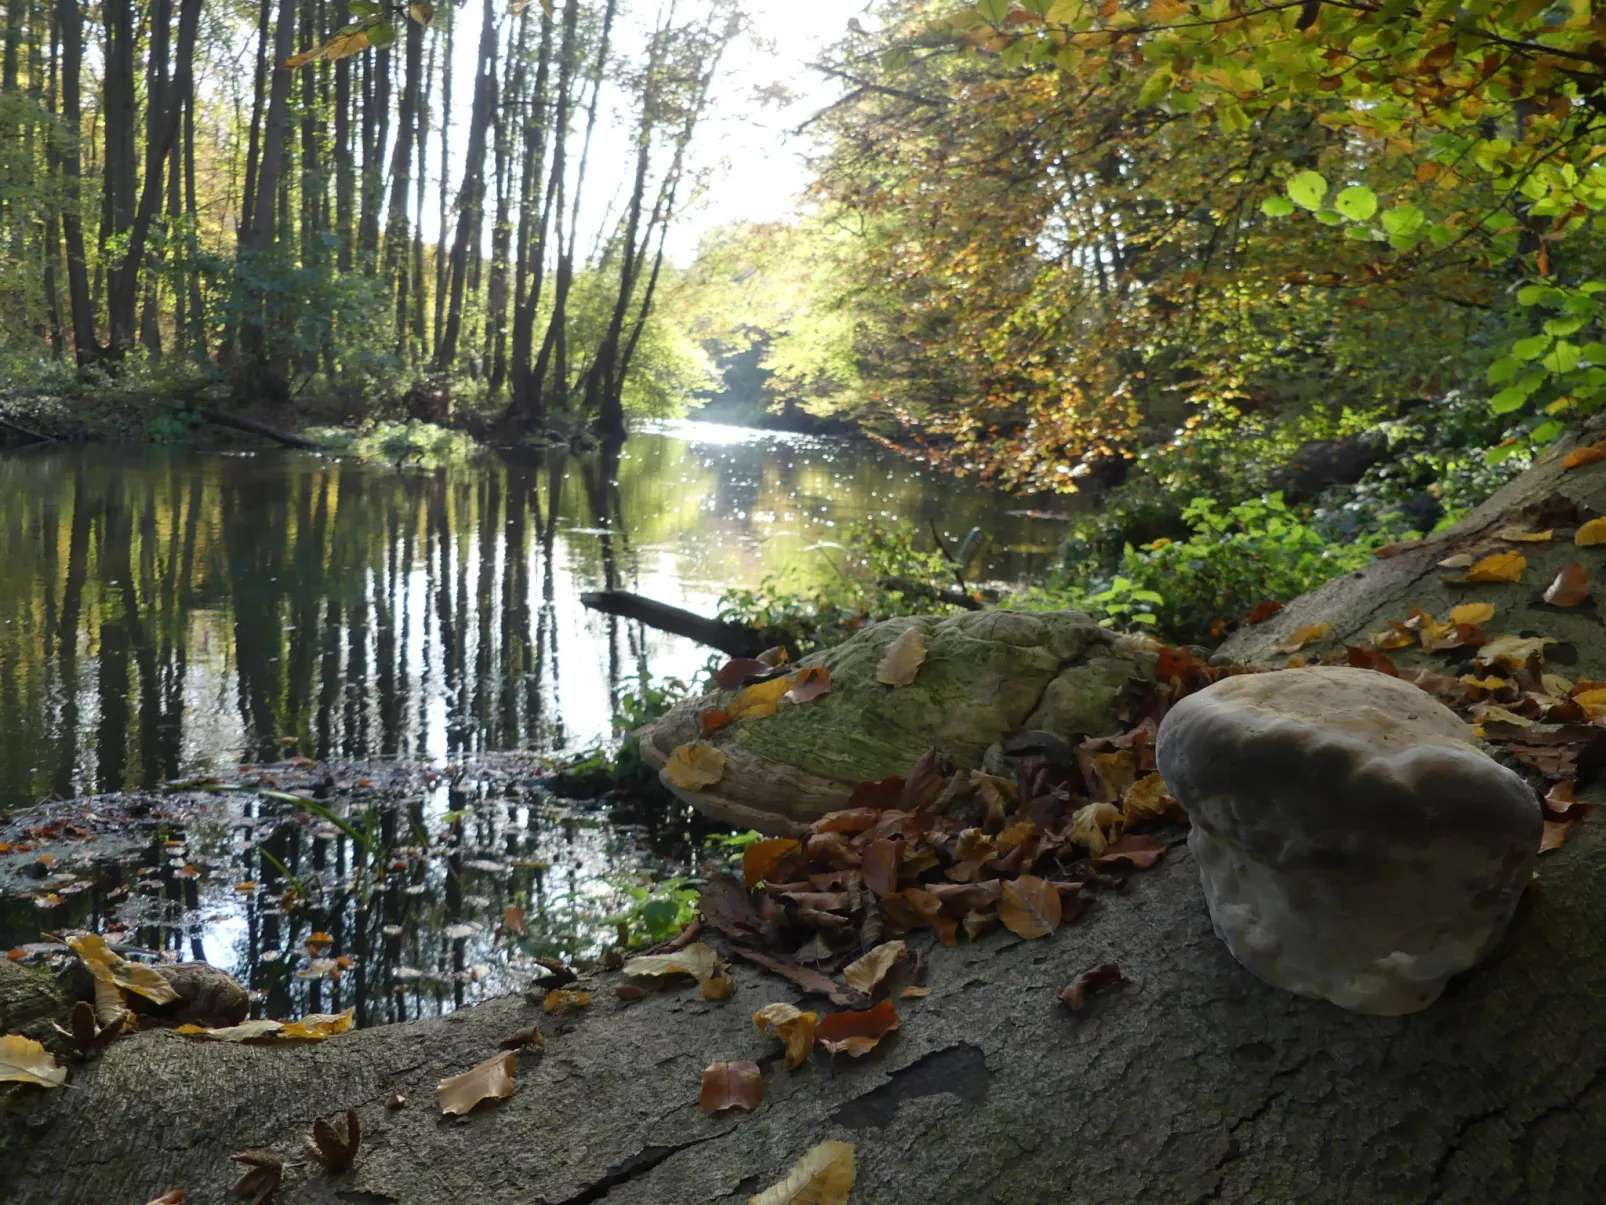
(376, 126)
(471, 195)
(445, 127)
(69, 22)
(345, 170)
(118, 165)
(401, 178)
(253, 154)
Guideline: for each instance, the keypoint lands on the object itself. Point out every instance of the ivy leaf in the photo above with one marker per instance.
(1308, 190)
(1358, 203)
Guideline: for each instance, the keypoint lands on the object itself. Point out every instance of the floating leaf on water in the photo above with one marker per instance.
(1570, 587)
(1301, 636)
(738, 1085)
(695, 766)
(856, 1032)
(824, 1176)
(865, 974)
(25, 1061)
(900, 664)
(792, 1026)
(490, 1080)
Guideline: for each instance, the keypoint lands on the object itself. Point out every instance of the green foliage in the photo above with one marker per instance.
(425, 445)
(656, 910)
(174, 427)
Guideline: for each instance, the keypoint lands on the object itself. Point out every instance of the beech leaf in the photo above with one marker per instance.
(1029, 906)
(1088, 825)
(1579, 457)
(792, 1026)
(1075, 996)
(1521, 535)
(490, 1080)
(810, 684)
(1496, 567)
(824, 1176)
(110, 967)
(731, 1086)
(1472, 613)
(1301, 636)
(561, 999)
(759, 700)
(865, 974)
(1146, 798)
(25, 1061)
(697, 960)
(902, 661)
(695, 766)
(1571, 586)
(1513, 652)
(856, 1032)
(334, 1143)
(760, 858)
(1591, 534)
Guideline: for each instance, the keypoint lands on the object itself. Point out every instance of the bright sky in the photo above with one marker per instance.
(756, 163)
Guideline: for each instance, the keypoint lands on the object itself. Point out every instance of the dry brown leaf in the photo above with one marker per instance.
(1592, 701)
(695, 766)
(824, 1176)
(1496, 567)
(714, 719)
(1579, 457)
(560, 999)
(173, 1196)
(856, 1032)
(1570, 587)
(793, 1026)
(1555, 834)
(25, 1061)
(1513, 652)
(1145, 798)
(1461, 560)
(902, 661)
(1116, 772)
(1472, 613)
(914, 992)
(1398, 636)
(810, 684)
(760, 700)
(1029, 906)
(881, 858)
(334, 1143)
(1075, 996)
(263, 1172)
(530, 1035)
(1303, 635)
(1088, 825)
(1591, 534)
(865, 974)
(312, 1028)
(760, 858)
(490, 1080)
(110, 967)
(697, 960)
(1521, 535)
(738, 1085)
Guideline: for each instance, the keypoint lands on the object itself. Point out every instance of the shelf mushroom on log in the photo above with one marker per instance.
(1354, 843)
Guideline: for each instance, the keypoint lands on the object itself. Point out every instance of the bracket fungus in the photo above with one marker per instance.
(1354, 842)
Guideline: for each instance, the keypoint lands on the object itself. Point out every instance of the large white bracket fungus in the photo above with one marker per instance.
(1353, 842)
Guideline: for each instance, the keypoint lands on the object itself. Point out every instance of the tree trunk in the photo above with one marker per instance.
(471, 195)
(397, 243)
(69, 19)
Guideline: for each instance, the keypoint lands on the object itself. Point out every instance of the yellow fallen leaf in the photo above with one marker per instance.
(865, 974)
(1513, 652)
(1144, 798)
(697, 960)
(316, 1026)
(1089, 823)
(824, 1176)
(1592, 701)
(1591, 533)
(900, 664)
(1393, 638)
(108, 966)
(1523, 535)
(1472, 613)
(25, 1061)
(759, 700)
(793, 1026)
(1301, 636)
(695, 766)
(1496, 567)
(312, 1028)
(558, 999)
(1489, 683)
(914, 993)
(490, 1080)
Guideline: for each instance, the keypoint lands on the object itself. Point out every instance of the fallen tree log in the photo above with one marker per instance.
(252, 427)
(27, 433)
(732, 639)
(1194, 1082)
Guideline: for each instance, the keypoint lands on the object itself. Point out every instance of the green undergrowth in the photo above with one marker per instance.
(400, 443)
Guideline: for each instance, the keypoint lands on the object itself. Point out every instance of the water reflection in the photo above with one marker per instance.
(163, 611)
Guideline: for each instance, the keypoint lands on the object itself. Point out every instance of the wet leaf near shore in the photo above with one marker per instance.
(738, 1085)
(823, 1176)
(490, 1080)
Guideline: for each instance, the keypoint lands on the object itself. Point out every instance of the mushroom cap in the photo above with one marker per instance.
(1354, 843)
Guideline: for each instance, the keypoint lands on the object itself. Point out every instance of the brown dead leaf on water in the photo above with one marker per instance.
(1074, 997)
(1570, 587)
(1029, 906)
(1301, 636)
(865, 974)
(793, 1026)
(823, 1176)
(263, 1172)
(901, 663)
(694, 766)
(334, 1142)
(738, 1085)
(760, 700)
(490, 1080)
(1496, 567)
(25, 1061)
(1591, 534)
(857, 1032)
(810, 684)
(759, 859)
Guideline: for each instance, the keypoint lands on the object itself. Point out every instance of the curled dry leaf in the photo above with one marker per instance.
(810, 684)
(824, 1176)
(561, 999)
(174, 1196)
(1146, 798)
(793, 1026)
(697, 960)
(914, 992)
(263, 1172)
(1263, 611)
(110, 967)
(1480, 612)
(1397, 636)
(1088, 825)
(1461, 560)
(1521, 535)
(335, 1142)
(1496, 567)
(881, 859)
(695, 766)
(1075, 996)
(1513, 651)
(856, 1033)
(761, 857)
(900, 664)
(490, 1080)
(737, 1085)
(760, 700)
(312, 1028)
(1029, 906)
(530, 1035)
(1555, 834)
(1579, 457)
(714, 719)
(25, 1061)
(1591, 534)
(1301, 636)
(1570, 587)
(865, 974)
